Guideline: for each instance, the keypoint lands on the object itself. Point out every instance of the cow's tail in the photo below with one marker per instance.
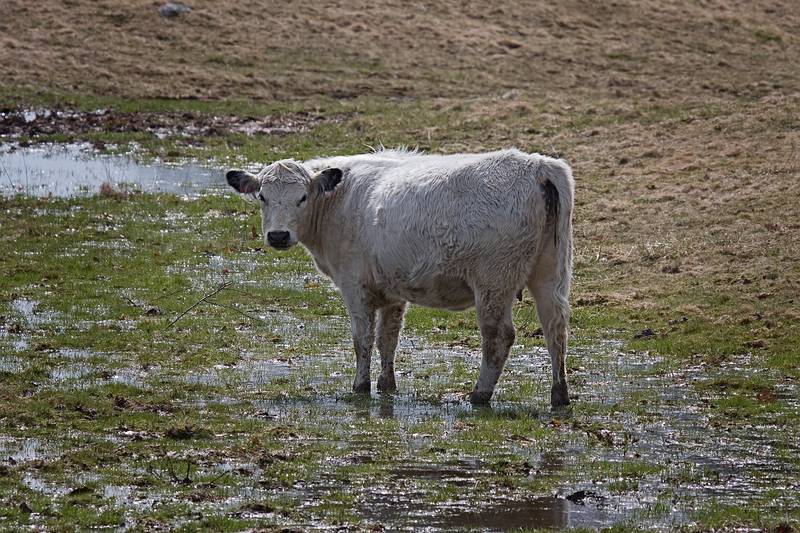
(555, 178)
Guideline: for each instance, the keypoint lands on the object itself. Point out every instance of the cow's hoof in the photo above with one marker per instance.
(559, 397)
(362, 388)
(386, 384)
(480, 397)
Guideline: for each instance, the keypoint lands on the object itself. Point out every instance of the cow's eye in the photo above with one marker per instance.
(303, 199)
(261, 197)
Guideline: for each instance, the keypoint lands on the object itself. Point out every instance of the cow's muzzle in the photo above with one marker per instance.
(279, 239)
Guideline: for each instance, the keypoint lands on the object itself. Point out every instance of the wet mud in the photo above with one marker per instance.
(35, 122)
(262, 426)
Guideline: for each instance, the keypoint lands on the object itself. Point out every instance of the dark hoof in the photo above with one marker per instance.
(386, 384)
(480, 397)
(362, 388)
(559, 397)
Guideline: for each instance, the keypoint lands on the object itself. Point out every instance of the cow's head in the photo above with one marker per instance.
(288, 194)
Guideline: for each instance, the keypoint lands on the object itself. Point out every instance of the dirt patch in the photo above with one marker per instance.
(17, 122)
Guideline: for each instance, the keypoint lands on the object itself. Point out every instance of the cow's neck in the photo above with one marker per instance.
(316, 235)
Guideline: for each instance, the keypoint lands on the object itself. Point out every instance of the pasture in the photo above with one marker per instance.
(161, 369)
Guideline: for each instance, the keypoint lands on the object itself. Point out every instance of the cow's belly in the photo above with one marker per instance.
(441, 292)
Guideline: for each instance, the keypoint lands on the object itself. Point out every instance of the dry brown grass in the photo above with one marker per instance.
(107, 190)
(253, 48)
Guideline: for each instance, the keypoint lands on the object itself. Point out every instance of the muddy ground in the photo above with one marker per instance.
(158, 376)
(71, 122)
(681, 123)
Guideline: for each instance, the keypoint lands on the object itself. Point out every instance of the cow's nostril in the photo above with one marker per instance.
(278, 238)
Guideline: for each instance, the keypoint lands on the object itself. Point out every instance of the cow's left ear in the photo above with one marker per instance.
(327, 180)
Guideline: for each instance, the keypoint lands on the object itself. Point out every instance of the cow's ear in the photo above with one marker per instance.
(327, 180)
(243, 182)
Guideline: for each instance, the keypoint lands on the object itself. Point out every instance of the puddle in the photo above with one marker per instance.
(20, 344)
(78, 353)
(74, 170)
(79, 376)
(75, 372)
(405, 409)
(49, 489)
(248, 373)
(299, 282)
(121, 494)
(462, 473)
(22, 314)
(552, 512)
(546, 512)
(27, 310)
(204, 276)
(12, 364)
(16, 450)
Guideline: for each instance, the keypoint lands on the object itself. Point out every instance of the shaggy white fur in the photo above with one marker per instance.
(446, 231)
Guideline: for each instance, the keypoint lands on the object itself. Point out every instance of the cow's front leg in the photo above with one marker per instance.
(497, 330)
(362, 327)
(390, 322)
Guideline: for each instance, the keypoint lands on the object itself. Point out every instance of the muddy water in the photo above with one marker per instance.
(675, 433)
(75, 169)
(543, 512)
(671, 426)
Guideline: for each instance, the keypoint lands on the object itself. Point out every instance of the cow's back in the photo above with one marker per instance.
(433, 224)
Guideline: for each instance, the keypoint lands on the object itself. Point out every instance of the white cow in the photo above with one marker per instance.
(444, 231)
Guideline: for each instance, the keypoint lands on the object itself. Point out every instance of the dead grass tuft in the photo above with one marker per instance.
(107, 190)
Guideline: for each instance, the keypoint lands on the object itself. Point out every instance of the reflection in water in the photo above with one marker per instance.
(386, 406)
(548, 512)
(73, 169)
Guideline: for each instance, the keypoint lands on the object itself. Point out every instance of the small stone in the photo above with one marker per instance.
(173, 9)
(645, 334)
(765, 395)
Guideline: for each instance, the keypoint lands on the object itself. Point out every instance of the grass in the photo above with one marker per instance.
(200, 412)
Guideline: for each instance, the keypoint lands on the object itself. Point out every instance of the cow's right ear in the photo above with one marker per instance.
(327, 180)
(244, 182)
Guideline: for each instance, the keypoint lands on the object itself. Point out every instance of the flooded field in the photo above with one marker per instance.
(121, 409)
(77, 169)
(161, 370)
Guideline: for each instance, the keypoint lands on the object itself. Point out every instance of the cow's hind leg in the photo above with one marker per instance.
(390, 322)
(497, 330)
(553, 311)
(362, 326)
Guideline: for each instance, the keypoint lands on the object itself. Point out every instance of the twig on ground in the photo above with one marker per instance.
(205, 298)
(211, 483)
(232, 308)
(171, 293)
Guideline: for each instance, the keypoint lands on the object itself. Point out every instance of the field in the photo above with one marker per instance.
(124, 404)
